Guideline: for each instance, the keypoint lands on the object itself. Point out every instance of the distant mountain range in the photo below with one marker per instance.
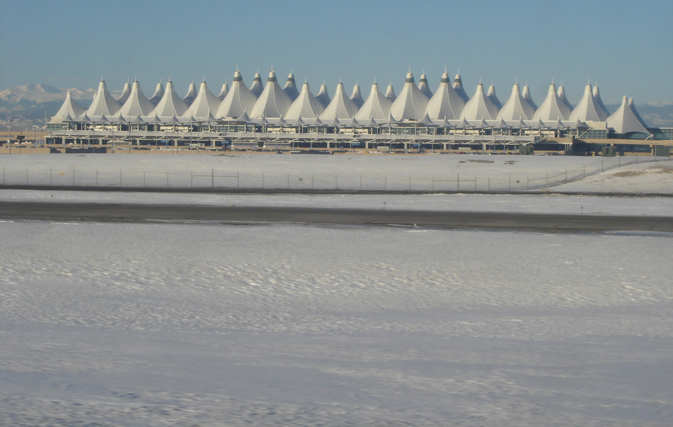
(27, 105)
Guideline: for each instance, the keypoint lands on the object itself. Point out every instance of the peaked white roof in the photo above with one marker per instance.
(458, 87)
(273, 102)
(424, 87)
(290, 87)
(516, 107)
(137, 103)
(257, 86)
(191, 94)
(445, 103)
(411, 103)
(103, 103)
(390, 93)
(341, 107)
(170, 104)
(588, 109)
(552, 108)
(238, 100)
(624, 120)
(356, 97)
(223, 91)
(526, 95)
(493, 97)
(158, 94)
(204, 104)
(69, 109)
(597, 97)
(305, 106)
(376, 107)
(480, 107)
(562, 94)
(633, 108)
(323, 96)
(125, 93)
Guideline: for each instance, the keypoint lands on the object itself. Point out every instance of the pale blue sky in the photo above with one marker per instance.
(627, 46)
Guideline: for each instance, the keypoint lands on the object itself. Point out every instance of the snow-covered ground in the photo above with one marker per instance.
(105, 324)
(174, 324)
(303, 172)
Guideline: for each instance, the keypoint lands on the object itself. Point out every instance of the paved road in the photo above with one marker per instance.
(232, 214)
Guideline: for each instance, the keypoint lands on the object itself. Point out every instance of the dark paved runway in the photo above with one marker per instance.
(431, 219)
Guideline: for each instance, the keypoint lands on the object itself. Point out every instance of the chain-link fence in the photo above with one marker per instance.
(481, 181)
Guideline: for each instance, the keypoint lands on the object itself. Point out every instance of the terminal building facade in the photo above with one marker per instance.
(268, 115)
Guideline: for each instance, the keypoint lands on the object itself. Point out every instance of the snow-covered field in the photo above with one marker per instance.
(304, 172)
(105, 324)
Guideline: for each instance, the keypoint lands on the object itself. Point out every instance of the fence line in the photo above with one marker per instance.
(223, 179)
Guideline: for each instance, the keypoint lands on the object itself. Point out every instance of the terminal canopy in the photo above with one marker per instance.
(552, 108)
(411, 103)
(170, 104)
(70, 109)
(516, 107)
(103, 103)
(137, 103)
(588, 109)
(340, 108)
(273, 102)
(323, 96)
(625, 121)
(204, 103)
(305, 106)
(445, 103)
(238, 100)
(479, 107)
(375, 108)
(356, 97)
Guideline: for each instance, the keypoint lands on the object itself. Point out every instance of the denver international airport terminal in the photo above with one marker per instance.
(268, 116)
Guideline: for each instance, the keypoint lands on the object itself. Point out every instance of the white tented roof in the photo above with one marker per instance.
(552, 108)
(204, 104)
(290, 87)
(599, 101)
(376, 107)
(238, 100)
(526, 95)
(257, 86)
(493, 97)
(69, 109)
(323, 96)
(458, 87)
(191, 94)
(223, 91)
(273, 102)
(562, 94)
(516, 108)
(445, 103)
(480, 107)
(390, 93)
(356, 96)
(125, 94)
(588, 109)
(340, 108)
(137, 103)
(170, 105)
(158, 94)
(625, 121)
(424, 87)
(305, 106)
(411, 103)
(633, 108)
(103, 103)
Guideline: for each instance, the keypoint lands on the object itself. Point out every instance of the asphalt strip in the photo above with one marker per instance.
(136, 213)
